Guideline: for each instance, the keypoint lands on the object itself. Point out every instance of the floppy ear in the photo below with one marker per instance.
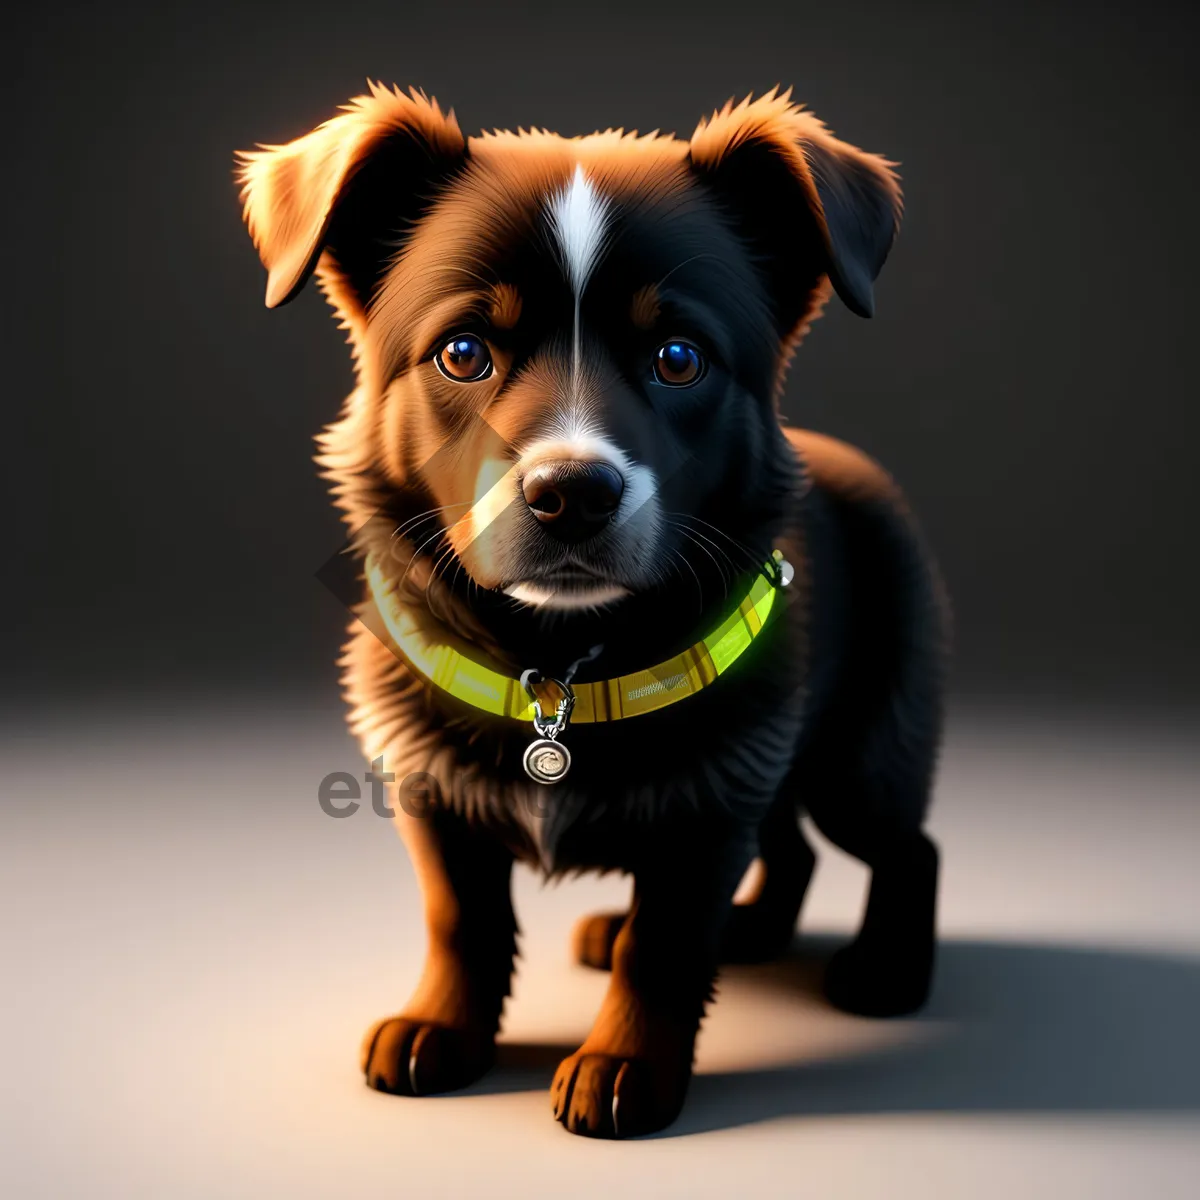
(346, 190)
(809, 204)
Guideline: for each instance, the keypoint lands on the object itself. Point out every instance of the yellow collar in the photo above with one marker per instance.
(451, 669)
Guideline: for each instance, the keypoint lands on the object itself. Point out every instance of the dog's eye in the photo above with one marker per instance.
(464, 359)
(678, 364)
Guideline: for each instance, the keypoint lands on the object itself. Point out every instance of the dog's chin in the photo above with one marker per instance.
(552, 597)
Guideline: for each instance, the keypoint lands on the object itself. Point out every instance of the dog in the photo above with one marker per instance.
(614, 614)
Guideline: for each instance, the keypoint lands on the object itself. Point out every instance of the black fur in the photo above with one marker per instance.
(834, 709)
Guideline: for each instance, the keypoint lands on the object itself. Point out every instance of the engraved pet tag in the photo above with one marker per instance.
(547, 761)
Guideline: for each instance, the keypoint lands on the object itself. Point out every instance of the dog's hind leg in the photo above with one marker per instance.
(444, 1038)
(864, 777)
(864, 769)
(761, 925)
(887, 969)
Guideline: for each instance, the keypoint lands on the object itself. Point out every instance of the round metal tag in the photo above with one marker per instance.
(546, 761)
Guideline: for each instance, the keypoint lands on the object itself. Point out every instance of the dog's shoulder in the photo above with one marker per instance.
(841, 469)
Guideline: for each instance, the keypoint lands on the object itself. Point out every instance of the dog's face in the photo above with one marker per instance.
(569, 349)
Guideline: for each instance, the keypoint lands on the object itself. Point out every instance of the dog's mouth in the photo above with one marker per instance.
(566, 588)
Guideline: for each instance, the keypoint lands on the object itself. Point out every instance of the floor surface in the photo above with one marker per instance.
(192, 950)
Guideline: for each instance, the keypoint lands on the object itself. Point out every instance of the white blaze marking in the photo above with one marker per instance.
(579, 220)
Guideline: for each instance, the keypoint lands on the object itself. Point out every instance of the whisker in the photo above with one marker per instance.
(720, 570)
(447, 555)
(679, 266)
(429, 512)
(416, 554)
(741, 547)
(695, 533)
(699, 586)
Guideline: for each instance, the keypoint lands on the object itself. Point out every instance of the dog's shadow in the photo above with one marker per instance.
(1011, 1028)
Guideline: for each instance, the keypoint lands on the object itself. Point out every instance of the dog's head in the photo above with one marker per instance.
(569, 350)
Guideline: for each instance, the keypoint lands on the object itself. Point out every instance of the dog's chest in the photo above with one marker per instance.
(578, 827)
(531, 813)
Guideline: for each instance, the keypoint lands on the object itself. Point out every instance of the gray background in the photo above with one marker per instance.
(1027, 378)
(192, 950)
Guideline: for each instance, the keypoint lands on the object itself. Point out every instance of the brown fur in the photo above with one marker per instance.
(646, 307)
(743, 752)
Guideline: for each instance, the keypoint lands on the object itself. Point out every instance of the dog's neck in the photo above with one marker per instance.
(697, 590)
(632, 633)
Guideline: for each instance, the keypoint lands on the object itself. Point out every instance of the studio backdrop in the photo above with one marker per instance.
(1028, 376)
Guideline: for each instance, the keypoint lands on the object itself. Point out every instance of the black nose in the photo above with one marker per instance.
(574, 500)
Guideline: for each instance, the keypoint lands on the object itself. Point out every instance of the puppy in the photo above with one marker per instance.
(614, 616)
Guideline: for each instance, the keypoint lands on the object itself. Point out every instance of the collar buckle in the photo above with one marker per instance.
(777, 570)
(548, 726)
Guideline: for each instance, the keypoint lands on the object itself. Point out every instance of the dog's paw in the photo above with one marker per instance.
(593, 938)
(753, 934)
(607, 1096)
(408, 1057)
(878, 981)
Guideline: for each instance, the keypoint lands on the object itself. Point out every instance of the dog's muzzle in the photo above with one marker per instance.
(573, 500)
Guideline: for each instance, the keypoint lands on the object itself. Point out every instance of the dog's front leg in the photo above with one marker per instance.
(631, 1074)
(444, 1038)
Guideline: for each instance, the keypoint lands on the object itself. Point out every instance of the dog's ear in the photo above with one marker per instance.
(347, 191)
(809, 204)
